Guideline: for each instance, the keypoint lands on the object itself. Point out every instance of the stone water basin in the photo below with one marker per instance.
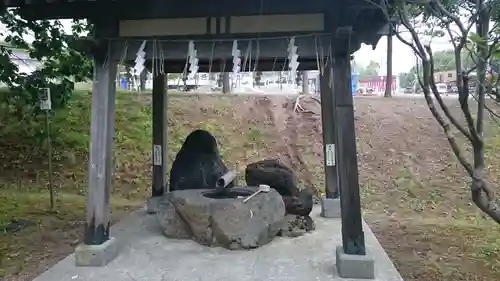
(210, 219)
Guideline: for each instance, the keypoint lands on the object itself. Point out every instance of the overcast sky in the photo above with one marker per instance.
(403, 57)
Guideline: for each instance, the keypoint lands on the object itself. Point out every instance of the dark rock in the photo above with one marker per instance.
(295, 225)
(227, 222)
(283, 179)
(274, 174)
(198, 164)
(301, 204)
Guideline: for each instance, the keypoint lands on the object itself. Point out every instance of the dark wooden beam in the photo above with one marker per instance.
(159, 152)
(328, 120)
(353, 240)
(131, 9)
(94, 47)
(218, 66)
(308, 47)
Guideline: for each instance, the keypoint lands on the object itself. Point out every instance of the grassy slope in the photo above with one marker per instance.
(414, 195)
(23, 180)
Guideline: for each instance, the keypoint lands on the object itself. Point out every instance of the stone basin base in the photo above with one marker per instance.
(225, 222)
(148, 255)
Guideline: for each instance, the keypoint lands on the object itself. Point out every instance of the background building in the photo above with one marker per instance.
(377, 83)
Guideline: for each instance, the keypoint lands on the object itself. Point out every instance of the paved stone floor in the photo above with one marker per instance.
(148, 256)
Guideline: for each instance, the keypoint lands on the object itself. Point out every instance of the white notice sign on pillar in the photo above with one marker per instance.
(157, 157)
(330, 155)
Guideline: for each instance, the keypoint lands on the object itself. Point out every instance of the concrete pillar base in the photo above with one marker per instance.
(96, 255)
(354, 266)
(152, 204)
(330, 207)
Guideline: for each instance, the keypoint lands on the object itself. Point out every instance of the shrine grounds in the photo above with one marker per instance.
(415, 195)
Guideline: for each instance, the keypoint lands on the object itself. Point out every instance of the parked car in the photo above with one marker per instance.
(408, 90)
(442, 88)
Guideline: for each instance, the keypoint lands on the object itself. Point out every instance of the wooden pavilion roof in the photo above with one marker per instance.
(366, 18)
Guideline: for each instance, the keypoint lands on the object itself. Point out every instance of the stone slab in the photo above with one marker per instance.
(228, 222)
(96, 255)
(148, 255)
(330, 207)
(354, 266)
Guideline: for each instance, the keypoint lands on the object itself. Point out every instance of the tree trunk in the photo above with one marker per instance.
(225, 83)
(281, 83)
(482, 194)
(305, 83)
(142, 80)
(388, 80)
(219, 80)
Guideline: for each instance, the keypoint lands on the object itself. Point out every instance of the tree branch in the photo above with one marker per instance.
(445, 125)
(432, 83)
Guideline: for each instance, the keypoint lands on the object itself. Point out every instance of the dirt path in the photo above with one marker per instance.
(291, 132)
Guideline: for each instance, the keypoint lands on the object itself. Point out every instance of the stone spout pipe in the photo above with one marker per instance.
(224, 181)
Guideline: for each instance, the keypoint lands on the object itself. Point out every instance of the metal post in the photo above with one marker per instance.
(46, 106)
(49, 155)
(353, 239)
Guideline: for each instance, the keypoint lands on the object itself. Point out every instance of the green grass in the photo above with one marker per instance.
(48, 230)
(25, 147)
(23, 176)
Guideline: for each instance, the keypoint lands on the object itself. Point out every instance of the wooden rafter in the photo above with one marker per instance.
(17, 3)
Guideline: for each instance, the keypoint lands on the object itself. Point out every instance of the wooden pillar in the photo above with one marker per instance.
(328, 120)
(353, 240)
(159, 152)
(101, 152)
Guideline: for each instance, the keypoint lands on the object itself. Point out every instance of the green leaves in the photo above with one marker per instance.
(61, 65)
(370, 70)
(476, 39)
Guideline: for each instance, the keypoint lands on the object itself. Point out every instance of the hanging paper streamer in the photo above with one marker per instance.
(193, 60)
(236, 53)
(140, 59)
(293, 58)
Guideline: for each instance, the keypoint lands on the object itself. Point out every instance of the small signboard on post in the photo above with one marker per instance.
(157, 156)
(44, 99)
(330, 155)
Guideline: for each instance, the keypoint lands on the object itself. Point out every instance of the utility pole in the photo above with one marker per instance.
(388, 79)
